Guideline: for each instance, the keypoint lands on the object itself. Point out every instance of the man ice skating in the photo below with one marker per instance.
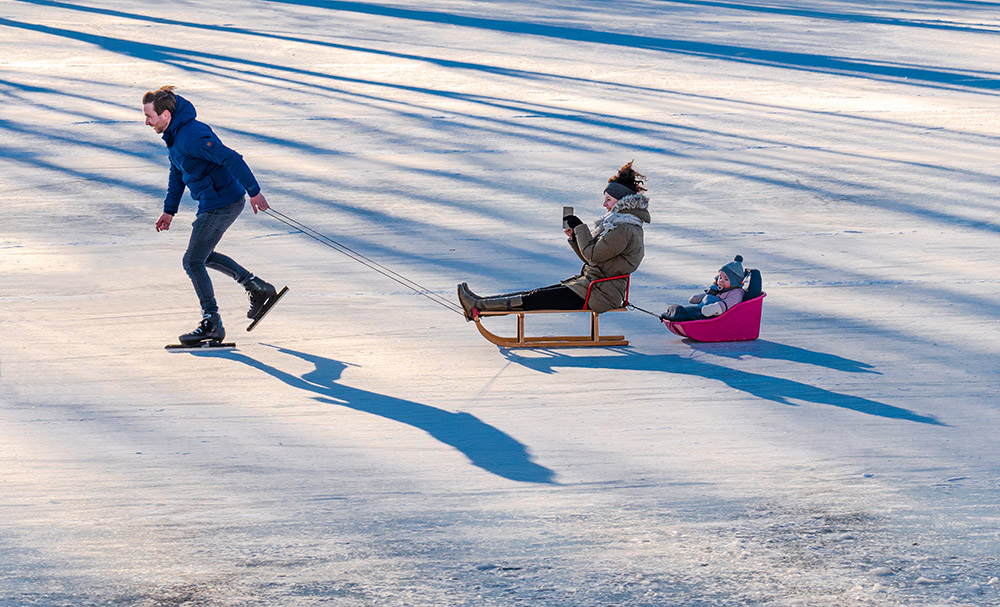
(219, 179)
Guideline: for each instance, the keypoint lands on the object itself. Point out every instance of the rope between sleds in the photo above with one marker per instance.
(369, 263)
(635, 307)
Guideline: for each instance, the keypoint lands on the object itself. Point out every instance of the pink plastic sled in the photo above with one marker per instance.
(739, 323)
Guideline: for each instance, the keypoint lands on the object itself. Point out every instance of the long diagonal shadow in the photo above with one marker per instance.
(761, 348)
(776, 389)
(813, 62)
(486, 447)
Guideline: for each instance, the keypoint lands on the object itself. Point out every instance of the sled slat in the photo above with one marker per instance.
(595, 339)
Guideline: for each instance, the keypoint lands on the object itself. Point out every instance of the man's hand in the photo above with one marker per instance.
(163, 223)
(259, 203)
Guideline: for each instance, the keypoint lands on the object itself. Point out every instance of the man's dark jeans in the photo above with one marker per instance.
(206, 232)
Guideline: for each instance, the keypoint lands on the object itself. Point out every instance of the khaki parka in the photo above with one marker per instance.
(619, 251)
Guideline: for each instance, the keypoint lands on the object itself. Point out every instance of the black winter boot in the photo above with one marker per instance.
(210, 329)
(260, 293)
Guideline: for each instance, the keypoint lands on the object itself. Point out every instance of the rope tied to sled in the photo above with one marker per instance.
(365, 261)
(384, 271)
(632, 306)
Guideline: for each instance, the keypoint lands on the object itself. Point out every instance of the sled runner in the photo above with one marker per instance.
(595, 339)
(739, 323)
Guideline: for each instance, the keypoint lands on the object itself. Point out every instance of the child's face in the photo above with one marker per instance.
(722, 280)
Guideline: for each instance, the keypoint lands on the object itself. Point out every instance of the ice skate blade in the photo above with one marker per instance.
(267, 308)
(205, 346)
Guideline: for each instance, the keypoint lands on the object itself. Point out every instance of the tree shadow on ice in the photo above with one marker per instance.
(485, 446)
(848, 17)
(449, 62)
(775, 389)
(917, 75)
(283, 76)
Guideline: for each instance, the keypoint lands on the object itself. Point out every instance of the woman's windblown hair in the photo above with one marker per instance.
(630, 178)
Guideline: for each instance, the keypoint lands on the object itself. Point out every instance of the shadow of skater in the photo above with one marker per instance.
(776, 389)
(486, 447)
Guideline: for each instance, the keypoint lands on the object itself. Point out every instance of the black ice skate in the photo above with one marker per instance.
(260, 294)
(266, 307)
(209, 332)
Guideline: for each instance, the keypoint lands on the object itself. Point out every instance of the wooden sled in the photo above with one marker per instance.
(595, 339)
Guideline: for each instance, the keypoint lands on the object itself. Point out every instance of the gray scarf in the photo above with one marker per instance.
(612, 220)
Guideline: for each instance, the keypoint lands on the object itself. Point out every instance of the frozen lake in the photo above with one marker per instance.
(364, 446)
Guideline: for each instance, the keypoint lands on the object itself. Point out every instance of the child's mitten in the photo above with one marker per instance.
(713, 309)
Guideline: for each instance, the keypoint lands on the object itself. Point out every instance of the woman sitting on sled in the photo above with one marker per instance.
(613, 248)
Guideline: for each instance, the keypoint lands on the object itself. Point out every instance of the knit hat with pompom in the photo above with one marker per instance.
(734, 270)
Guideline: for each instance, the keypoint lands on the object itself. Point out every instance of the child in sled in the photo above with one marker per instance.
(725, 292)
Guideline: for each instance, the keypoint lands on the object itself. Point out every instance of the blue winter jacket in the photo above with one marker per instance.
(215, 175)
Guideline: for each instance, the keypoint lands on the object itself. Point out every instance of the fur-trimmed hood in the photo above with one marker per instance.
(634, 204)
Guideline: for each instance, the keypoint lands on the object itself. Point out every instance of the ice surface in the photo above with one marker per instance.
(365, 446)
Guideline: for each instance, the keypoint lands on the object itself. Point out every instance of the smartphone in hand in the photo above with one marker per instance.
(566, 211)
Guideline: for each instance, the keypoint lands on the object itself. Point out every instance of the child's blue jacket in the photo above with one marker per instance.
(215, 175)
